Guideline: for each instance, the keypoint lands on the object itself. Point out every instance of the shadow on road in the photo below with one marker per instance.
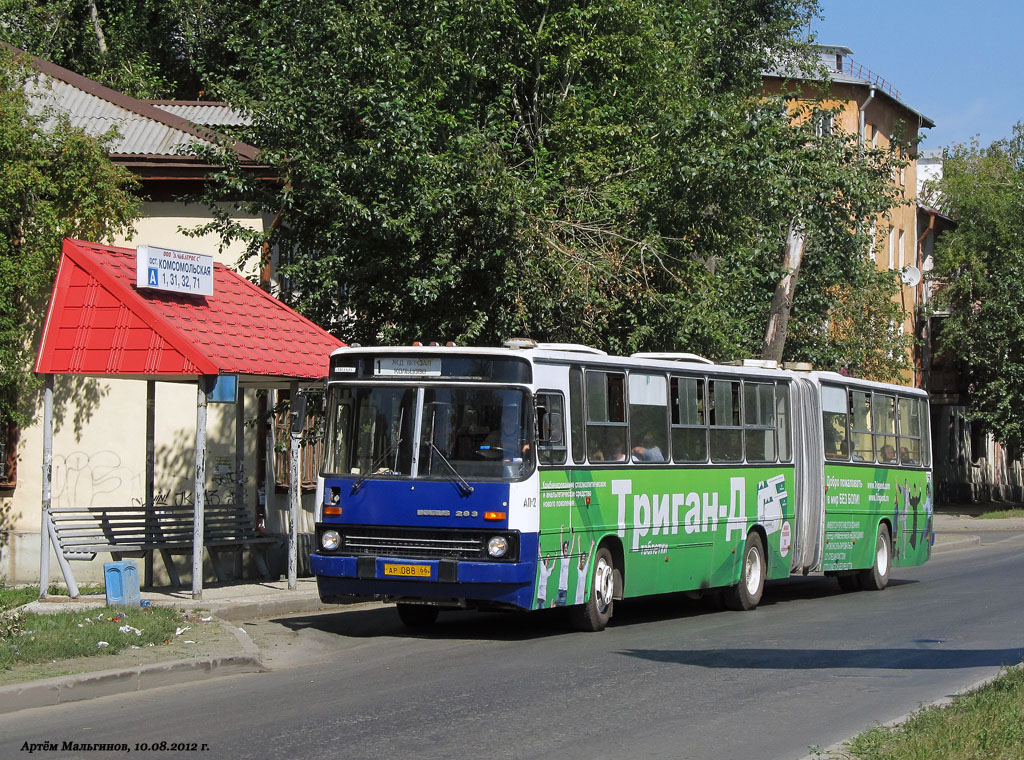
(522, 626)
(830, 659)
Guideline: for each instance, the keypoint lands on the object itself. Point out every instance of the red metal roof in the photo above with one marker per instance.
(99, 323)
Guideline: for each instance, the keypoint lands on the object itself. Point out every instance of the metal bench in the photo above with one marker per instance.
(83, 532)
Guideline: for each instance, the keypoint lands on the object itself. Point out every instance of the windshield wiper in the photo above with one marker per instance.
(372, 469)
(464, 487)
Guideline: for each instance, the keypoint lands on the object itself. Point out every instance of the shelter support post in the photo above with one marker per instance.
(239, 463)
(204, 387)
(47, 532)
(150, 473)
(44, 533)
(293, 487)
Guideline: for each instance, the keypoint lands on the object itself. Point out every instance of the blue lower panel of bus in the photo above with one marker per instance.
(503, 582)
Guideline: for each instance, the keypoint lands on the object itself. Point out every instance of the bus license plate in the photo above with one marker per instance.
(407, 571)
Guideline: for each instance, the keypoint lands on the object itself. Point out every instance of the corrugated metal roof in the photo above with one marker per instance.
(137, 134)
(837, 68)
(207, 114)
(99, 323)
(143, 129)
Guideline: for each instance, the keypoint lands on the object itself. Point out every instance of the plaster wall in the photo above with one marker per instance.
(99, 442)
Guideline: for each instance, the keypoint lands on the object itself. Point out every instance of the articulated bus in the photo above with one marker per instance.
(547, 475)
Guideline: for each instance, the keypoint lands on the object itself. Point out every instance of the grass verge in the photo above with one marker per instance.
(11, 597)
(27, 638)
(1001, 513)
(984, 724)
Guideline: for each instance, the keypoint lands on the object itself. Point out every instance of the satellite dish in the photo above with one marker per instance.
(911, 276)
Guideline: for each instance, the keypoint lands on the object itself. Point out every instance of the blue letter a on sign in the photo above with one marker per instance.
(153, 278)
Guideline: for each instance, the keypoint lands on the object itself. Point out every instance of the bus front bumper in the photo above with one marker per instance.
(506, 583)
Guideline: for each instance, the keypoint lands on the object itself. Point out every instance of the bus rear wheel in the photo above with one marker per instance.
(746, 594)
(417, 615)
(876, 577)
(593, 615)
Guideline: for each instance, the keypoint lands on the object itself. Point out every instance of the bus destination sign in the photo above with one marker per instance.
(176, 271)
(416, 366)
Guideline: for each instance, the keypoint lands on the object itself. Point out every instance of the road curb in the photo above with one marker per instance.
(955, 544)
(105, 683)
(837, 751)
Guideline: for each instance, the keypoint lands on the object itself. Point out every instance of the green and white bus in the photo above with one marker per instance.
(546, 475)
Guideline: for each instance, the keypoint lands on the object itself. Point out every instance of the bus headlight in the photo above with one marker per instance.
(330, 540)
(497, 546)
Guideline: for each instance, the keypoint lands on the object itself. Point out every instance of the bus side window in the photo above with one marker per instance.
(883, 412)
(759, 421)
(860, 408)
(606, 416)
(834, 422)
(689, 422)
(782, 422)
(551, 428)
(648, 417)
(910, 429)
(726, 433)
(579, 453)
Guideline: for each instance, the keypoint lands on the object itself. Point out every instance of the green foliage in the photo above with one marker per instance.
(54, 183)
(979, 266)
(154, 48)
(32, 637)
(603, 172)
(984, 724)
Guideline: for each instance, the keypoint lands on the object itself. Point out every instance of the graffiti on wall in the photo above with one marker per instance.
(82, 479)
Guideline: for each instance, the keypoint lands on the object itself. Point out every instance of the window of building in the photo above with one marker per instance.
(9, 434)
(311, 446)
(902, 251)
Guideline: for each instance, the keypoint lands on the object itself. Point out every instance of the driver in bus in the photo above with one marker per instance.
(506, 442)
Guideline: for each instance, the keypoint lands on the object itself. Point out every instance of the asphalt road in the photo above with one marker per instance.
(669, 678)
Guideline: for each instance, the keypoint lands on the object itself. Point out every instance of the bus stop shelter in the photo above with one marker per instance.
(101, 323)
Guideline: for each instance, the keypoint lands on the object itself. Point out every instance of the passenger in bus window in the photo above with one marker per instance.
(646, 453)
(616, 452)
(887, 453)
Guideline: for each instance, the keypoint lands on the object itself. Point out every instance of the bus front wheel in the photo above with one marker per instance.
(746, 594)
(417, 615)
(594, 614)
(876, 577)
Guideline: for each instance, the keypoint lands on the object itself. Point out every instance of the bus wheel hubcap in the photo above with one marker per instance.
(753, 571)
(603, 583)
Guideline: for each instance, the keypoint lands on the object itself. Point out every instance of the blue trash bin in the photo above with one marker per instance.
(122, 583)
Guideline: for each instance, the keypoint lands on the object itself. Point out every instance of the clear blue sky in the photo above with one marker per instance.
(959, 62)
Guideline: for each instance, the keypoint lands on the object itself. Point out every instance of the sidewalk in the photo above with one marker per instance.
(219, 644)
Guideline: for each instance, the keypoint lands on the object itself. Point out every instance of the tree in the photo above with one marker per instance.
(979, 266)
(55, 182)
(603, 172)
(144, 48)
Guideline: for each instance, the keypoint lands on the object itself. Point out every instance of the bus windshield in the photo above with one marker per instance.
(465, 432)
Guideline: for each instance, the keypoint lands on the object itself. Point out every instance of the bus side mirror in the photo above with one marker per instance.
(298, 413)
(554, 430)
